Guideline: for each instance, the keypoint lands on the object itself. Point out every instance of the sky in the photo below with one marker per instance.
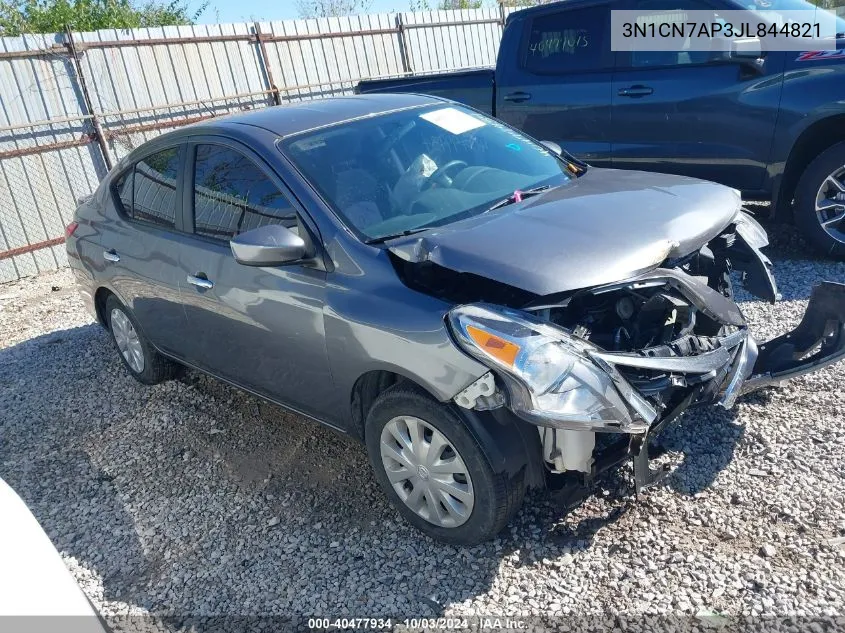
(249, 10)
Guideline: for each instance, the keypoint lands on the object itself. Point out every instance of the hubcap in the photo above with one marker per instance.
(127, 340)
(426, 471)
(830, 204)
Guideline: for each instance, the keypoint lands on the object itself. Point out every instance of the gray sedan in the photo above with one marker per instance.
(472, 304)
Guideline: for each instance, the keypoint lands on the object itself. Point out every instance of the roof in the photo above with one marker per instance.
(306, 115)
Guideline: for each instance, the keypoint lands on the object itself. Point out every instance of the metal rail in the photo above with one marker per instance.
(22, 250)
(86, 97)
(241, 37)
(47, 147)
(103, 128)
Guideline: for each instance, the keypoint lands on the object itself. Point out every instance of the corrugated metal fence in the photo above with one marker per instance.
(72, 104)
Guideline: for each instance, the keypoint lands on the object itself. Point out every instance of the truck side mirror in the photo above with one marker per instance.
(746, 50)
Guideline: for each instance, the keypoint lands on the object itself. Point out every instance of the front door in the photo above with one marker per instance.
(557, 85)
(259, 327)
(694, 112)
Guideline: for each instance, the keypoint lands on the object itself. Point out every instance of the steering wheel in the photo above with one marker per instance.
(440, 175)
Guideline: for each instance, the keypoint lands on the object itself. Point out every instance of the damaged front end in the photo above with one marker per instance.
(629, 357)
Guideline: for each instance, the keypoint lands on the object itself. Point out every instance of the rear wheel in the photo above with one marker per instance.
(434, 471)
(144, 363)
(820, 202)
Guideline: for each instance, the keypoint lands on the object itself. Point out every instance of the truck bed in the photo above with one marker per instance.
(471, 87)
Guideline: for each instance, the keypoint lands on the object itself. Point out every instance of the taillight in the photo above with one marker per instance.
(70, 228)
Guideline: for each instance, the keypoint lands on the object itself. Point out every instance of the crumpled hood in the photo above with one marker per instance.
(605, 226)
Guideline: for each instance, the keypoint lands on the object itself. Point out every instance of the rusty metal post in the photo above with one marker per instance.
(265, 62)
(502, 16)
(95, 120)
(403, 44)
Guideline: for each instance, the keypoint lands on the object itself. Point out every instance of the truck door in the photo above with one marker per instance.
(554, 78)
(695, 113)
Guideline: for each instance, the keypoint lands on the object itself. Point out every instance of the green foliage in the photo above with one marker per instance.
(51, 16)
(459, 4)
(428, 5)
(331, 8)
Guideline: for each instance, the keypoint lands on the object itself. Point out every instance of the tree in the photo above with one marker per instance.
(459, 4)
(51, 16)
(331, 8)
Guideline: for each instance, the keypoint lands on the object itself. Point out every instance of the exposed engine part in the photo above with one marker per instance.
(625, 308)
(565, 450)
(481, 394)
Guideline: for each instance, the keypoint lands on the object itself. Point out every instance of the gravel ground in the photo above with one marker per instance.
(194, 498)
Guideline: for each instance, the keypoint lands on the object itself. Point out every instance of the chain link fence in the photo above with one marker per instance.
(75, 103)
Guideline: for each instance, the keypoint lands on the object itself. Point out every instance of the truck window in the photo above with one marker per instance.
(569, 41)
(675, 12)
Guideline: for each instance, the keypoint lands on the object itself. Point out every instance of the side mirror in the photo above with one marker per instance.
(746, 50)
(269, 245)
(554, 147)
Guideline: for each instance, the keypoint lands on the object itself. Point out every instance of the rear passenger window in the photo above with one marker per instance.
(569, 41)
(147, 191)
(154, 188)
(232, 195)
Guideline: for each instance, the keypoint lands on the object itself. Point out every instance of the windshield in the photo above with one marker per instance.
(790, 5)
(421, 167)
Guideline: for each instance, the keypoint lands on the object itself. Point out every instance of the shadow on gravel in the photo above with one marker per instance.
(194, 498)
(43, 456)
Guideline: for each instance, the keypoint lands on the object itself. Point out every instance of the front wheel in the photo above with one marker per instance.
(435, 472)
(820, 202)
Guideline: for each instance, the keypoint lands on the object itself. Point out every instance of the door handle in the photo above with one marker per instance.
(517, 97)
(635, 91)
(200, 282)
(111, 256)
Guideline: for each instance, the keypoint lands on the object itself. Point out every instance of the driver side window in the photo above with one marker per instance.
(233, 195)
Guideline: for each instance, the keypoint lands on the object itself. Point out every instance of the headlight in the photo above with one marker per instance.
(551, 378)
(751, 231)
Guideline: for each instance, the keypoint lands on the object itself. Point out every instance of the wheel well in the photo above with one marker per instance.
(364, 393)
(100, 297)
(370, 386)
(812, 142)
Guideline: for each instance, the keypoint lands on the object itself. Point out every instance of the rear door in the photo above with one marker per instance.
(140, 244)
(555, 85)
(258, 327)
(694, 112)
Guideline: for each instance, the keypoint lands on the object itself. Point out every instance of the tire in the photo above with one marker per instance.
(829, 163)
(494, 496)
(153, 368)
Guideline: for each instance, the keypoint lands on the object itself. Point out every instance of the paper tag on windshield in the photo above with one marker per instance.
(453, 120)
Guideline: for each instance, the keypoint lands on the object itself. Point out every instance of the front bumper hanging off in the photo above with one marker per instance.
(818, 341)
(740, 366)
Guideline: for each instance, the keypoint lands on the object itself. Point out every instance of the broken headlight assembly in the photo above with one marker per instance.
(551, 377)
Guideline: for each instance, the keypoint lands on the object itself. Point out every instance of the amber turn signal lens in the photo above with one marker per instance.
(496, 346)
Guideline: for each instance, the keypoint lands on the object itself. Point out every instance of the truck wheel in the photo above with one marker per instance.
(435, 472)
(144, 363)
(820, 202)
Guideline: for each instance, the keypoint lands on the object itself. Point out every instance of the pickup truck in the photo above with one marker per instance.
(770, 124)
